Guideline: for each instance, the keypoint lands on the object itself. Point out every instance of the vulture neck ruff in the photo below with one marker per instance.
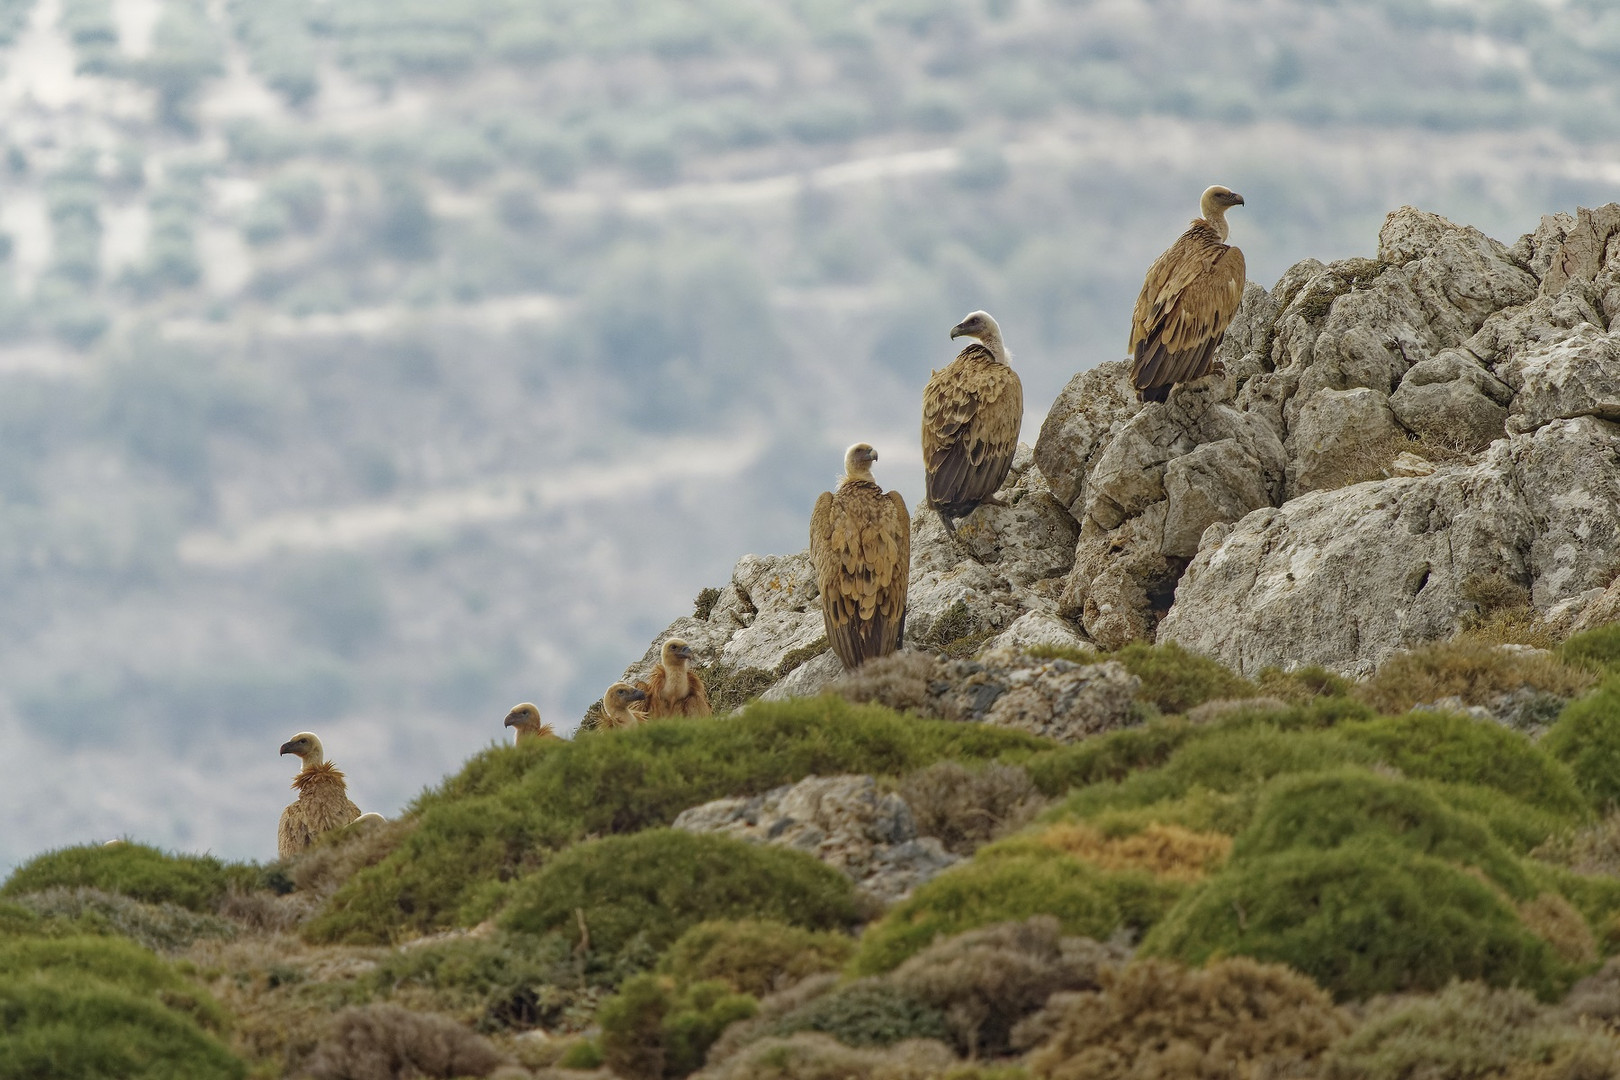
(319, 773)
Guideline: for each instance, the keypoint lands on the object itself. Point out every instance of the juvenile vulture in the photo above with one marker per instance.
(973, 409)
(860, 543)
(621, 706)
(323, 798)
(1190, 295)
(673, 688)
(526, 718)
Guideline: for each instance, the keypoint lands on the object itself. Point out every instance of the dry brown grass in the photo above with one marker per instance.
(1167, 851)
(281, 992)
(810, 1056)
(386, 1042)
(1554, 920)
(1475, 671)
(966, 808)
(1234, 1020)
(1592, 849)
(899, 681)
(987, 980)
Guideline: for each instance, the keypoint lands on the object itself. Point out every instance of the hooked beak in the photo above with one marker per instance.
(684, 652)
(511, 720)
(288, 748)
(1239, 199)
(637, 695)
(957, 331)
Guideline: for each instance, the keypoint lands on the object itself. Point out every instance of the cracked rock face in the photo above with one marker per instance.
(844, 821)
(1385, 428)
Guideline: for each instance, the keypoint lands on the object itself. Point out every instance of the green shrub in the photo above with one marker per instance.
(1470, 1030)
(1368, 917)
(190, 881)
(111, 961)
(1301, 685)
(506, 980)
(508, 808)
(1594, 650)
(1476, 671)
(1235, 1018)
(59, 1028)
(752, 956)
(1007, 885)
(650, 1030)
(1110, 757)
(1328, 810)
(1587, 739)
(388, 1041)
(1175, 680)
(865, 1013)
(1454, 747)
(656, 884)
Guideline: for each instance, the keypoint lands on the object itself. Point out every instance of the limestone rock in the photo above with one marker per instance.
(1037, 628)
(1599, 608)
(1577, 376)
(844, 821)
(1345, 578)
(1089, 409)
(808, 678)
(1340, 437)
(1452, 400)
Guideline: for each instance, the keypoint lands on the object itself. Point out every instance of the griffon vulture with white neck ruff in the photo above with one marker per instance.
(973, 409)
(622, 706)
(526, 719)
(673, 688)
(860, 543)
(323, 798)
(1190, 295)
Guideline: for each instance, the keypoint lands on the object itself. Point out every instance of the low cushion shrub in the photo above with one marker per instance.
(754, 956)
(1153, 1019)
(145, 873)
(868, 1012)
(1587, 739)
(1476, 671)
(652, 1030)
(653, 886)
(1003, 885)
(1370, 916)
(1595, 650)
(1174, 680)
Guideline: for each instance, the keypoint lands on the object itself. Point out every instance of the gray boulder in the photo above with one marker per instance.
(844, 821)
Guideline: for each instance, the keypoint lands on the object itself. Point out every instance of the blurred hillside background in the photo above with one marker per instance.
(372, 365)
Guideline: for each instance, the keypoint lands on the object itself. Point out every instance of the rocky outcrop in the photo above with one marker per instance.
(844, 821)
(1386, 428)
(1058, 698)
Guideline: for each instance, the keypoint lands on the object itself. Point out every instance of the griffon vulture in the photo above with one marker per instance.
(323, 798)
(673, 688)
(860, 543)
(621, 706)
(526, 718)
(1190, 295)
(973, 409)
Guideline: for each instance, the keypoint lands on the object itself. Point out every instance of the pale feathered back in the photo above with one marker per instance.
(1187, 301)
(860, 543)
(973, 410)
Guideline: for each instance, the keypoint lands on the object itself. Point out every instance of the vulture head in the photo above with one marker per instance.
(526, 718)
(676, 653)
(988, 332)
(858, 461)
(1214, 204)
(308, 748)
(617, 701)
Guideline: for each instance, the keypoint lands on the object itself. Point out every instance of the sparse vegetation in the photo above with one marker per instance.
(1174, 680)
(1474, 671)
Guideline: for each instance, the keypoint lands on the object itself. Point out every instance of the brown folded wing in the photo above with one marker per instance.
(1187, 301)
(973, 409)
(860, 542)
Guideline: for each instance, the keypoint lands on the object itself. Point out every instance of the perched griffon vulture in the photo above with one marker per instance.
(973, 409)
(673, 688)
(1190, 295)
(323, 798)
(526, 718)
(621, 706)
(860, 543)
